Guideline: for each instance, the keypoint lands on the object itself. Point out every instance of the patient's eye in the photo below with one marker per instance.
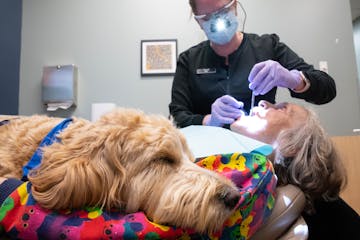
(281, 105)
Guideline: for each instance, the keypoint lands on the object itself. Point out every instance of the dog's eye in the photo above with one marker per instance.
(167, 160)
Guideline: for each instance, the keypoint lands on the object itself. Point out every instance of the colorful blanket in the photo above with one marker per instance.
(22, 218)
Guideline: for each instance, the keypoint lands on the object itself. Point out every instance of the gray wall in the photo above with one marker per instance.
(103, 39)
(356, 26)
(10, 42)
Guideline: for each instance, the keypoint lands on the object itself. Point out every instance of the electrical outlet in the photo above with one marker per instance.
(323, 66)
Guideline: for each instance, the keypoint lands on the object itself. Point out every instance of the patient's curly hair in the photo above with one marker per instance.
(306, 157)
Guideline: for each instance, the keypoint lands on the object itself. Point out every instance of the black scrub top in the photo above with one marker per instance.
(202, 76)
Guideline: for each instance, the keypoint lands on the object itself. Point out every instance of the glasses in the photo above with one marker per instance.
(207, 17)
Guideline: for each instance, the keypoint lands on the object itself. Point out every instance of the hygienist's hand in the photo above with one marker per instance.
(225, 110)
(266, 75)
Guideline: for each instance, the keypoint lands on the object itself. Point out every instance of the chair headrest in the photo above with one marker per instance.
(289, 203)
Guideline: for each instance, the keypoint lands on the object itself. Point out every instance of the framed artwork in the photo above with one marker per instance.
(158, 57)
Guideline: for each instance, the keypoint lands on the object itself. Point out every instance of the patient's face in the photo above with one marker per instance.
(268, 120)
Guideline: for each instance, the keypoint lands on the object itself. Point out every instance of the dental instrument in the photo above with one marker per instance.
(252, 103)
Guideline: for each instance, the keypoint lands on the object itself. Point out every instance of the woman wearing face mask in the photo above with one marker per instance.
(215, 79)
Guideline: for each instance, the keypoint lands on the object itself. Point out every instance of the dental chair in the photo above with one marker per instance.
(285, 221)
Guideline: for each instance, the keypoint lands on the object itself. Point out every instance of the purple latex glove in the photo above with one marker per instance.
(266, 75)
(225, 110)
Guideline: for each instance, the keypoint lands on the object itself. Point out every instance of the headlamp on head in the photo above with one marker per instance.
(220, 26)
(221, 23)
(206, 17)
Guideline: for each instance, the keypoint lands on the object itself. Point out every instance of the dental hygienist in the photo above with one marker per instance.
(215, 80)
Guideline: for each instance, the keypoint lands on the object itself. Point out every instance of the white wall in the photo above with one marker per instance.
(103, 39)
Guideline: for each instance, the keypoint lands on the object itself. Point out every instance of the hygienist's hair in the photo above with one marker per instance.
(193, 5)
(306, 157)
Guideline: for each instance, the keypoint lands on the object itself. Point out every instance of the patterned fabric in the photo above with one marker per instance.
(22, 218)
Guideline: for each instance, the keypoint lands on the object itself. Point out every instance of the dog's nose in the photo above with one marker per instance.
(230, 199)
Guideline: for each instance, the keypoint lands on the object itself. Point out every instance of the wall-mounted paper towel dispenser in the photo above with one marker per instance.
(59, 86)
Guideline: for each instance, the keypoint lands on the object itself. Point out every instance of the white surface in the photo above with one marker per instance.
(99, 109)
(323, 66)
(205, 141)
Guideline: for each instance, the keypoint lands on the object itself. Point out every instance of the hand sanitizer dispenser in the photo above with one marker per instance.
(59, 86)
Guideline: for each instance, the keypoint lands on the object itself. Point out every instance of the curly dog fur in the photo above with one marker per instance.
(126, 160)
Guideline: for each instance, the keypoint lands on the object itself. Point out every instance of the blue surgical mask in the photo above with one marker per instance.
(221, 27)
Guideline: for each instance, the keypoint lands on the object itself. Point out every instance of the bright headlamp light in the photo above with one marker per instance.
(220, 24)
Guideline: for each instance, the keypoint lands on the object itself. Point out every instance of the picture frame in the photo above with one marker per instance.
(158, 57)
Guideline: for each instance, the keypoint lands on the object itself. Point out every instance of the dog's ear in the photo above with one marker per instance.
(80, 172)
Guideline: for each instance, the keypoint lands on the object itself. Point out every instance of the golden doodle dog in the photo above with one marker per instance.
(126, 160)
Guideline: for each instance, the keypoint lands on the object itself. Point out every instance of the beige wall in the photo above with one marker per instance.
(348, 147)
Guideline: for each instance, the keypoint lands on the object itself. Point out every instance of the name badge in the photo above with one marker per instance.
(205, 70)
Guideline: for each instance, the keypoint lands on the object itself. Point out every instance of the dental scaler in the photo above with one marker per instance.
(252, 103)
